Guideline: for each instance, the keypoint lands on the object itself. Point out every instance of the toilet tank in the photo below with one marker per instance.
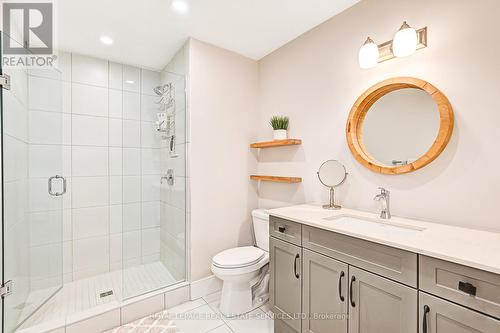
(261, 228)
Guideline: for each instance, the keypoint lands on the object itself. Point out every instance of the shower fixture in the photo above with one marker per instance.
(166, 115)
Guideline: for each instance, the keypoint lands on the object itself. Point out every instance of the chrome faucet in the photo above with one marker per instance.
(385, 198)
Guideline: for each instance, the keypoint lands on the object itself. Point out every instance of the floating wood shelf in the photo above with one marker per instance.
(276, 143)
(277, 179)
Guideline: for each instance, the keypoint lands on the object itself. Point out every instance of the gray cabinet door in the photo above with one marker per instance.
(324, 294)
(379, 305)
(439, 316)
(286, 285)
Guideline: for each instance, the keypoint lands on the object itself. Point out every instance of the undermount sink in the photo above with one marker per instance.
(374, 225)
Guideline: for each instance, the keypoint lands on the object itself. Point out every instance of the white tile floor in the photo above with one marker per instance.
(201, 316)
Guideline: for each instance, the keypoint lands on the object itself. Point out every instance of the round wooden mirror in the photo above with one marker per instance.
(399, 125)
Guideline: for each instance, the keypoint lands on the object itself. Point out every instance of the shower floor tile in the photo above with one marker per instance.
(83, 296)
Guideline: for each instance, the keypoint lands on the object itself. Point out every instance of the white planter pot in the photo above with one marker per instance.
(280, 134)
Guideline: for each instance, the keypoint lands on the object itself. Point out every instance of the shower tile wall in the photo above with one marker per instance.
(111, 160)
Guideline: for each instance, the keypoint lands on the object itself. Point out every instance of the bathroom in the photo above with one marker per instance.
(132, 166)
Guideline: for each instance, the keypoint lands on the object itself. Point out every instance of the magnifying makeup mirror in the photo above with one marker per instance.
(332, 174)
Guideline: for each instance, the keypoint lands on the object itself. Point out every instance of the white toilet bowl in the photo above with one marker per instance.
(244, 271)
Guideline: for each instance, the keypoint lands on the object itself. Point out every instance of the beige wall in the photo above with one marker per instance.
(223, 108)
(316, 79)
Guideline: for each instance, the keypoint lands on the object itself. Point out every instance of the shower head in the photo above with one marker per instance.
(161, 90)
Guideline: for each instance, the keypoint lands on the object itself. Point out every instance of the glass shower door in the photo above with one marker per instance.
(33, 189)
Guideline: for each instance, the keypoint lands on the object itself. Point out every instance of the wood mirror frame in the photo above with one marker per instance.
(365, 102)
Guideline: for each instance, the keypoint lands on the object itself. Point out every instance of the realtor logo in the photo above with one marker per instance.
(35, 20)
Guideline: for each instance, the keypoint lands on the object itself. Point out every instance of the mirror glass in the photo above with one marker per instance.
(400, 127)
(332, 173)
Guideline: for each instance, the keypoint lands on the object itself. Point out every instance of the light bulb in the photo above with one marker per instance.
(405, 41)
(180, 6)
(368, 54)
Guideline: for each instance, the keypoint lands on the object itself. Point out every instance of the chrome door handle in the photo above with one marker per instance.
(57, 194)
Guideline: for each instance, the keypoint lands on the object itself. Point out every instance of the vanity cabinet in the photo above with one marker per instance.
(440, 316)
(380, 305)
(323, 281)
(285, 287)
(324, 294)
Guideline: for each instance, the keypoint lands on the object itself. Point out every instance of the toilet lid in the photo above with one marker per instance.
(238, 257)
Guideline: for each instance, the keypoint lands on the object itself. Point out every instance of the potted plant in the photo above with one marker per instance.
(280, 127)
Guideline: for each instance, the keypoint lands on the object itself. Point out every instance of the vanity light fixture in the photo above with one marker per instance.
(406, 41)
(368, 54)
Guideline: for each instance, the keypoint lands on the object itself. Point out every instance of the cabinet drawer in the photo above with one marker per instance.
(439, 316)
(286, 230)
(458, 284)
(395, 264)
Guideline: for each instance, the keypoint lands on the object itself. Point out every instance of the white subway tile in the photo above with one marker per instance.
(115, 103)
(89, 100)
(90, 191)
(131, 244)
(89, 70)
(131, 216)
(115, 190)
(45, 127)
(131, 161)
(115, 132)
(45, 160)
(64, 65)
(115, 248)
(150, 241)
(90, 222)
(131, 133)
(150, 214)
(115, 161)
(149, 108)
(150, 137)
(45, 94)
(131, 106)
(115, 75)
(149, 80)
(131, 189)
(91, 253)
(131, 79)
(90, 161)
(115, 219)
(151, 188)
(90, 131)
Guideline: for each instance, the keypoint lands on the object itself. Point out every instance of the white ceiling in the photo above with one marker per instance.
(148, 32)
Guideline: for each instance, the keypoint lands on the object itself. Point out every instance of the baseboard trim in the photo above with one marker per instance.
(205, 286)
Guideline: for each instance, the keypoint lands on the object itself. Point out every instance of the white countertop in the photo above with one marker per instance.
(475, 248)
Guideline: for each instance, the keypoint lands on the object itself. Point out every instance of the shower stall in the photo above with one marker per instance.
(93, 200)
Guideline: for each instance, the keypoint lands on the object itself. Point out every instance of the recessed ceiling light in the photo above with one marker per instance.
(106, 40)
(129, 82)
(180, 6)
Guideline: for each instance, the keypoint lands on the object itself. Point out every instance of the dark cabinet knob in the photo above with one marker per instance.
(282, 229)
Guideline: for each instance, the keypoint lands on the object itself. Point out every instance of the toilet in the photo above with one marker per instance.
(245, 271)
